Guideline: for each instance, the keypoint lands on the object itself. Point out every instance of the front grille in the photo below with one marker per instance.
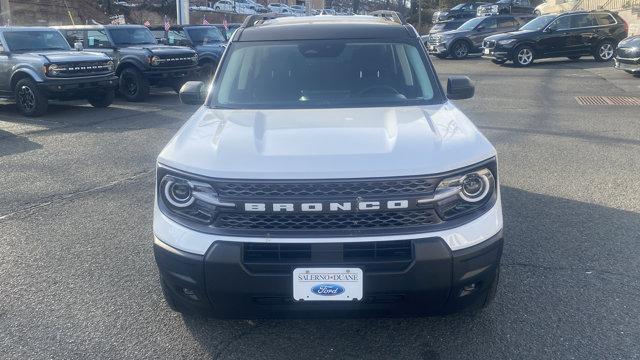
(176, 60)
(82, 69)
(327, 189)
(627, 53)
(326, 221)
(370, 256)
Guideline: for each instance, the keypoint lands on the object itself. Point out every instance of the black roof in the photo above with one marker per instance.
(324, 27)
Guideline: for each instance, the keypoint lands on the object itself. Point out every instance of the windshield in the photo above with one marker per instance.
(208, 35)
(458, 7)
(319, 73)
(35, 40)
(471, 24)
(132, 36)
(538, 23)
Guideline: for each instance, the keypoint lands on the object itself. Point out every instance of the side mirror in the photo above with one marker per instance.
(193, 93)
(480, 28)
(78, 46)
(460, 87)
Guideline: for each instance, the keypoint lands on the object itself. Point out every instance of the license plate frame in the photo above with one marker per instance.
(328, 284)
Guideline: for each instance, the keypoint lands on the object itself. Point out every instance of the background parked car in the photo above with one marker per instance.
(37, 64)
(555, 6)
(467, 39)
(628, 55)
(461, 11)
(278, 8)
(327, 12)
(227, 31)
(223, 5)
(140, 62)
(441, 27)
(207, 40)
(298, 10)
(572, 35)
(506, 7)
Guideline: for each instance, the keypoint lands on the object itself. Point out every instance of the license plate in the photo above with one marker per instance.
(432, 48)
(327, 284)
(486, 51)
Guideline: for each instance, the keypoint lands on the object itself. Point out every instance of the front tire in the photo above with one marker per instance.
(103, 99)
(523, 56)
(206, 71)
(133, 85)
(30, 100)
(460, 49)
(604, 51)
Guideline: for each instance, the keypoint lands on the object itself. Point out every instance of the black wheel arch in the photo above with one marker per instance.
(129, 63)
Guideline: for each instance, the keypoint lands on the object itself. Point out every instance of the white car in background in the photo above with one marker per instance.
(298, 10)
(555, 6)
(223, 5)
(245, 7)
(279, 8)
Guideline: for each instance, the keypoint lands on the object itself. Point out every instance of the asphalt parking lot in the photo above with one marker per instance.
(78, 279)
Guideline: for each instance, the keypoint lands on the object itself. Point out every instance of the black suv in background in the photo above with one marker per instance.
(467, 38)
(506, 7)
(461, 11)
(207, 40)
(571, 34)
(140, 61)
(628, 55)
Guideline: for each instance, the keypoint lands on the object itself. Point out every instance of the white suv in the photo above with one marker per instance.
(327, 173)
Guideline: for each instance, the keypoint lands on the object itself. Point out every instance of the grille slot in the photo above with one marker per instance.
(370, 256)
(327, 189)
(338, 221)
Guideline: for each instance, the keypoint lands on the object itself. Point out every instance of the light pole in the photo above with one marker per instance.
(182, 12)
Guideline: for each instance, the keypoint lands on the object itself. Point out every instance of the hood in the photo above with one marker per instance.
(631, 41)
(58, 56)
(510, 35)
(326, 143)
(163, 49)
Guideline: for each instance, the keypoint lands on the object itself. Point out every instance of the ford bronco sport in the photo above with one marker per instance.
(327, 173)
(140, 61)
(37, 64)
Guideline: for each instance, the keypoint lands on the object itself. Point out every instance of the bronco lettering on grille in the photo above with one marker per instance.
(327, 206)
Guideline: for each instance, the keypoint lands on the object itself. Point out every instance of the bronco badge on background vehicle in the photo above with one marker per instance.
(37, 64)
(140, 61)
(327, 173)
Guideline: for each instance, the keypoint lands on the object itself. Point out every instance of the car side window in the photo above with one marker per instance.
(604, 19)
(178, 37)
(490, 23)
(505, 23)
(97, 39)
(582, 21)
(73, 36)
(561, 23)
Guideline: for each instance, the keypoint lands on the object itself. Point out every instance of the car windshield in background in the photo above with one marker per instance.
(538, 23)
(471, 24)
(35, 40)
(132, 36)
(458, 7)
(203, 36)
(317, 73)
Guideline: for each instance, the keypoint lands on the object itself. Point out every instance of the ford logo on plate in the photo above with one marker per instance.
(327, 289)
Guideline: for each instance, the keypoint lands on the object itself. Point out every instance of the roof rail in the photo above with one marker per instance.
(252, 20)
(389, 15)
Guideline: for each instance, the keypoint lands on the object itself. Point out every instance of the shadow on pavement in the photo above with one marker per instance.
(563, 267)
(11, 144)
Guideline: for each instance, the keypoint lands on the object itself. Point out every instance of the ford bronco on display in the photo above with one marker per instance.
(37, 64)
(327, 172)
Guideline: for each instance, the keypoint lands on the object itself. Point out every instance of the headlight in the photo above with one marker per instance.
(506, 42)
(109, 65)
(154, 60)
(194, 58)
(459, 195)
(188, 198)
(53, 70)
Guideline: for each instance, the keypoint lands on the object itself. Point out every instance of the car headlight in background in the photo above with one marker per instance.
(506, 42)
(154, 60)
(194, 58)
(109, 65)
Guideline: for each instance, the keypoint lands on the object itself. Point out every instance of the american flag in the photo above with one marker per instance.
(204, 20)
(147, 23)
(167, 24)
(225, 24)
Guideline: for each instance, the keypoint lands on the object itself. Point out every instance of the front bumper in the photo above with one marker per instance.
(440, 48)
(79, 85)
(160, 73)
(436, 281)
(496, 53)
(628, 65)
